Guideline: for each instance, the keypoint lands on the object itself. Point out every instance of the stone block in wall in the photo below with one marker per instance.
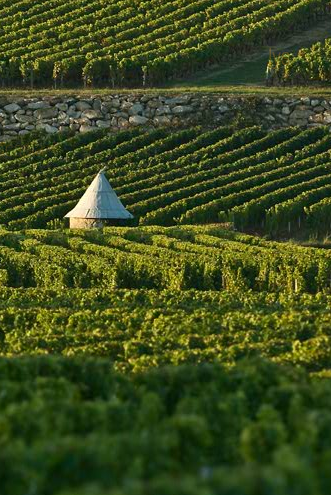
(122, 123)
(125, 105)
(136, 109)
(292, 102)
(115, 103)
(48, 128)
(114, 122)
(162, 120)
(121, 114)
(181, 109)
(62, 107)
(36, 105)
(104, 124)
(138, 120)
(149, 112)
(316, 118)
(12, 108)
(163, 110)
(74, 126)
(84, 121)
(63, 118)
(82, 105)
(154, 103)
(12, 127)
(92, 114)
(46, 113)
(74, 114)
(24, 118)
(301, 112)
(223, 108)
(97, 104)
(178, 100)
(286, 110)
(305, 100)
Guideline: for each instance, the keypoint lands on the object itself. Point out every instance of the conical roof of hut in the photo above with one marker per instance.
(99, 201)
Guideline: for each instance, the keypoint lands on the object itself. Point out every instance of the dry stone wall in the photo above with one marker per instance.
(20, 116)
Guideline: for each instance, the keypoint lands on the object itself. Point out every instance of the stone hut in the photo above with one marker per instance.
(98, 207)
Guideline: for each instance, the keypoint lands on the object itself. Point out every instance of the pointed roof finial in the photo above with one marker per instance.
(99, 201)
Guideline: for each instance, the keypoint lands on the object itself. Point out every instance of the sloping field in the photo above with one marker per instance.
(177, 258)
(310, 66)
(250, 72)
(264, 180)
(141, 329)
(116, 379)
(142, 44)
(152, 296)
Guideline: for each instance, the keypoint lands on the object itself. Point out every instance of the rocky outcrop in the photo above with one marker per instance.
(20, 116)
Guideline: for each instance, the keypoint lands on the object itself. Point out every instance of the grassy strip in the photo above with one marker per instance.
(218, 90)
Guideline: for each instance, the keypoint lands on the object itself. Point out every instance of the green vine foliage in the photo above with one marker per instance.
(153, 359)
(310, 66)
(275, 182)
(122, 45)
(255, 426)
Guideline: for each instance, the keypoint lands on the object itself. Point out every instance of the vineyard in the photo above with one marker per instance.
(187, 350)
(274, 182)
(53, 43)
(309, 66)
(202, 353)
(77, 427)
(136, 359)
(175, 258)
(211, 280)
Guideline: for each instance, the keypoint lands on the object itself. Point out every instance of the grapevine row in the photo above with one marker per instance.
(57, 42)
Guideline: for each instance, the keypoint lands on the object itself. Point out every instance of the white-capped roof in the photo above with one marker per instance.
(99, 201)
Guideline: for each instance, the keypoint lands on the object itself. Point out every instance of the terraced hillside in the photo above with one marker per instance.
(310, 66)
(147, 43)
(270, 181)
